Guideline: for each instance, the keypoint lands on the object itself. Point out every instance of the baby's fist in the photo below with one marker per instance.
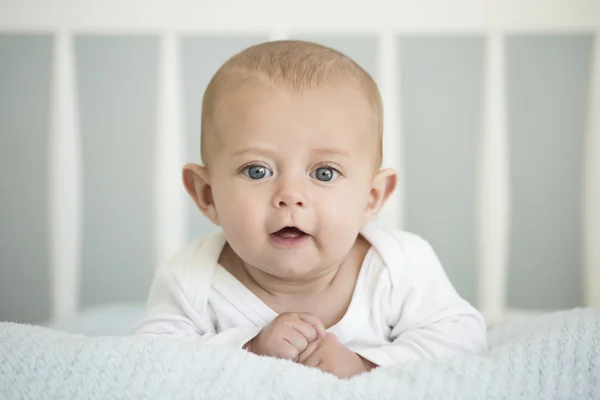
(331, 356)
(287, 336)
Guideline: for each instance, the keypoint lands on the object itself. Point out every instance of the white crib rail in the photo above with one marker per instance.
(388, 82)
(493, 199)
(387, 18)
(64, 181)
(591, 185)
(170, 218)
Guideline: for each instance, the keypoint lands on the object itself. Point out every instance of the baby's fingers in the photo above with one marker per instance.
(315, 323)
(306, 330)
(314, 361)
(308, 352)
(297, 340)
(287, 350)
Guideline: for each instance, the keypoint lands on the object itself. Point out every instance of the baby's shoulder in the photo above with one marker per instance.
(399, 252)
(196, 261)
(395, 244)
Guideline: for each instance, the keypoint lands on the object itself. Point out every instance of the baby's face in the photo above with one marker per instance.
(291, 175)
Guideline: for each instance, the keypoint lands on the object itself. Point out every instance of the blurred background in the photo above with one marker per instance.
(100, 108)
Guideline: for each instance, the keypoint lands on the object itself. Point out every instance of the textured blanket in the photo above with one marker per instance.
(556, 356)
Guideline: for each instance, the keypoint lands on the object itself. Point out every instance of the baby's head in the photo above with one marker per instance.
(291, 145)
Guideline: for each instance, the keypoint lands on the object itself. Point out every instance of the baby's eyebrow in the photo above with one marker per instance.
(331, 151)
(254, 150)
(322, 151)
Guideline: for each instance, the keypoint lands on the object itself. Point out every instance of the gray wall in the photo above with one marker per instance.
(441, 90)
(547, 87)
(24, 109)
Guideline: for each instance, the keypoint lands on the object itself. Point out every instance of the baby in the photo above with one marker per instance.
(291, 146)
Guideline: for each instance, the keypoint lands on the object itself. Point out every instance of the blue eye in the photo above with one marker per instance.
(256, 172)
(325, 174)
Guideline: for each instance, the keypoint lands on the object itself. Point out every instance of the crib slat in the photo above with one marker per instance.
(493, 198)
(169, 192)
(64, 181)
(591, 182)
(388, 82)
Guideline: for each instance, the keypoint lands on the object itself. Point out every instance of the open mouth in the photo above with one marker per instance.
(289, 236)
(289, 232)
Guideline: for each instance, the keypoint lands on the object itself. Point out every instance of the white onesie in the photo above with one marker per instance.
(403, 307)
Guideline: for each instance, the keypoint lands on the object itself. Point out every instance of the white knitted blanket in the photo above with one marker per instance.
(556, 356)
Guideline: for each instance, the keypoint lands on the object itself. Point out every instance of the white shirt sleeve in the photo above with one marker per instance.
(169, 313)
(427, 316)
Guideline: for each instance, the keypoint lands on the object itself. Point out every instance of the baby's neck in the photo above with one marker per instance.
(277, 287)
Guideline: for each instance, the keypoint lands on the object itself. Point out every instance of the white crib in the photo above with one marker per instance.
(387, 20)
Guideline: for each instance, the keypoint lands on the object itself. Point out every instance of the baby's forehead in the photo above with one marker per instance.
(334, 121)
(252, 96)
(264, 102)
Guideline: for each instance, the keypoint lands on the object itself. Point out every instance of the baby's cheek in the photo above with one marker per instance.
(239, 219)
(240, 210)
(347, 209)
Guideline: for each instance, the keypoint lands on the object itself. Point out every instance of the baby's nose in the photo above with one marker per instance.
(290, 195)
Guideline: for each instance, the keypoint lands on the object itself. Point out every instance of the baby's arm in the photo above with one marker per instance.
(169, 313)
(428, 317)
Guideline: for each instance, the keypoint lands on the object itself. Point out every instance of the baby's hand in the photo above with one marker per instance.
(287, 336)
(331, 356)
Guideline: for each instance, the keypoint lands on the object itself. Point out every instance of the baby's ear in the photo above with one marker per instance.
(197, 184)
(382, 187)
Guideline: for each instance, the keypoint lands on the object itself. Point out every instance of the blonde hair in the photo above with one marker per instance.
(294, 64)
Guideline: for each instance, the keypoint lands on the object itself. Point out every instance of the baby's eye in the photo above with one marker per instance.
(325, 174)
(257, 172)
